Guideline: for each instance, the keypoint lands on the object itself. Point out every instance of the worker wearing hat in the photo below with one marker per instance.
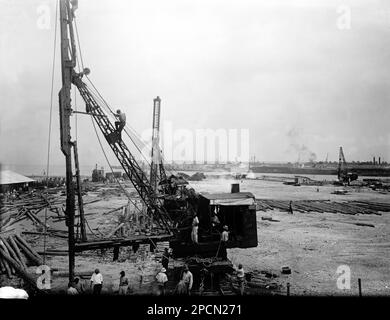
(123, 283)
(188, 279)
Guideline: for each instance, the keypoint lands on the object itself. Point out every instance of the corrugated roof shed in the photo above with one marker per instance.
(230, 199)
(10, 177)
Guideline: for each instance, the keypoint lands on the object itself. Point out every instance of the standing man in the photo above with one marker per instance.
(195, 226)
(188, 279)
(123, 283)
(97, 282)
(224, 240)
(290, 209)
(241, 278)
(162, 279)
(120, 124)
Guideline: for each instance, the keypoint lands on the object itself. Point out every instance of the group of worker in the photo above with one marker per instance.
(214, 223)
(182, 288)
(186, 281)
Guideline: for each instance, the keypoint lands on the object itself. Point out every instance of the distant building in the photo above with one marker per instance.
(98, 174)
(111, 176)
(10, 181)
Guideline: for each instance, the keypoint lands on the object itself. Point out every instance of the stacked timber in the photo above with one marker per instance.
(28, 206)
(16, 254)
(304, 206)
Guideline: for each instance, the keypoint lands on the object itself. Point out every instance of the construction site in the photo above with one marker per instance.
(290, 231)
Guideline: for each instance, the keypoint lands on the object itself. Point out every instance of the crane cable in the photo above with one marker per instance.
(109, 164)
(49, 135)
(103, 100)
(108, 106)
(101, 146)
(112, 171)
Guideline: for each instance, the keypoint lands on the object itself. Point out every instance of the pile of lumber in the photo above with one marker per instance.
(260, 282)
(28, 206)
(344, 207)
(16, 254)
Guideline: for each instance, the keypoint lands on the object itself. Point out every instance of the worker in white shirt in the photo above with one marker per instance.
(97, 282)
(194, 232)
(241, 278)
(162, 279)
(188, 279)
(224, 240)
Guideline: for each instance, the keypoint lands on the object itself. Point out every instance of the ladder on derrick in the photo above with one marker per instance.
(125, 157)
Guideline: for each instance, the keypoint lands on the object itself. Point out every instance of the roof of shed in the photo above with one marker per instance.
(10, 177)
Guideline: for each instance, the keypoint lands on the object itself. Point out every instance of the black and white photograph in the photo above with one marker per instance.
(182, 150)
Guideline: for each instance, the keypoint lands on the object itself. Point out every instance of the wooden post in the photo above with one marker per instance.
(288, 289)
(68, 63)
(360, 287)
(79, 195)
(116, 253)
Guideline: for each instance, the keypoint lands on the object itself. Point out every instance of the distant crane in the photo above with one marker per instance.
(342, 173)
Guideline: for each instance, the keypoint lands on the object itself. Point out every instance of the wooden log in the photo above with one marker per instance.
(20, 271)
(326, 207)
(2, 245)
(269, 219)
(113, 210)
(11, 251)
(6, 265)
(115, 230)
(29, 254)
(2, 267)
(17, 251)
(26, 244)
(49, 233)
(362, 224)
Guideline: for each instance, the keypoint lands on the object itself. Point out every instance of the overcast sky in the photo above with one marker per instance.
(296, 74)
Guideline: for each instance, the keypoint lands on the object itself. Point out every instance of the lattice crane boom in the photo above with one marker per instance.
(128, 162)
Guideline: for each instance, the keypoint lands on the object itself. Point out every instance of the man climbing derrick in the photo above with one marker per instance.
(119, 125)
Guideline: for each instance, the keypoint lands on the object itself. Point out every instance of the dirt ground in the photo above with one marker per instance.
(313, 244)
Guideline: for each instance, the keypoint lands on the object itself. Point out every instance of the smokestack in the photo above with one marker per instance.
(373, 160)
(235, 187)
